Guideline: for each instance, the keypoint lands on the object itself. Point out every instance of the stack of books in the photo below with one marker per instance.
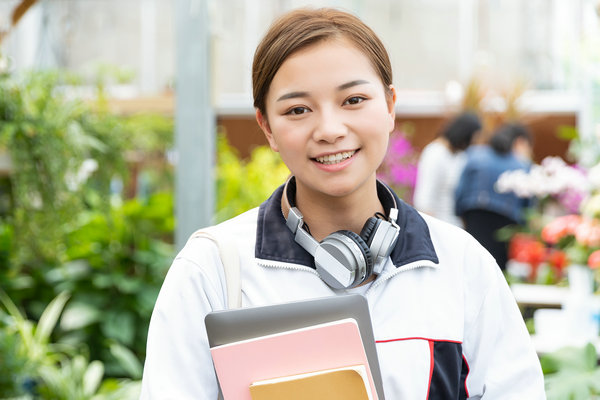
(323, 361)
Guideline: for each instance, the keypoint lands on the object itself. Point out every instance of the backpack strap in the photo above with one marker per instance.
(231, 265)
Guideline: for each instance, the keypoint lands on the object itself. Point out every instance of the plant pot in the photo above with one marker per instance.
(581, 280)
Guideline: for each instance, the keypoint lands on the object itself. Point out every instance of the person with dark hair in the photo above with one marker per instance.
(484, 210)
(445, 323)
(440, 165)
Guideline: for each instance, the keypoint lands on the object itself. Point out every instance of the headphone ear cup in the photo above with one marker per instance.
(368, 229)
(364, 247)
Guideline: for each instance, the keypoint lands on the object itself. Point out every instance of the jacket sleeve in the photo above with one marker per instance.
(461, 190)
(178, 362)
(497, 348)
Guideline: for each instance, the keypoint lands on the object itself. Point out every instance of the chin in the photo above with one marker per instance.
(344, 188)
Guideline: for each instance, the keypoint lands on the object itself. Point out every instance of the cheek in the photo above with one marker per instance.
(289, 144)
(378, 136)
(383, 149)
(378, 126)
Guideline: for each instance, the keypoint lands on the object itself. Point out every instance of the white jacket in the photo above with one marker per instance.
(444, 319)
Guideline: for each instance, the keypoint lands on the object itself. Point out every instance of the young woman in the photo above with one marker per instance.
(444, 319)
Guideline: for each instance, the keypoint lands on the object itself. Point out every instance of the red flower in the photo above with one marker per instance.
(560, 227)
(527, 249)
(594, 259)
(557, 259)
(588, 233)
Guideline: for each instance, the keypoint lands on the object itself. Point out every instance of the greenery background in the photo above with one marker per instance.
(86, 238)
(84, 251)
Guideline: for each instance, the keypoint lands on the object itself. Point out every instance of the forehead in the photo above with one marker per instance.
(329, 59)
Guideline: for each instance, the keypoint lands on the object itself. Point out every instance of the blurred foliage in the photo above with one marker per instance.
(32, 367)
(48, 138)
(66, 226)
(572, 373)
(107, 74)
(85, 263)
(87, 209)
(493, 103)
(113, 264)
(151, 134)
(244, 184)
(582, 150)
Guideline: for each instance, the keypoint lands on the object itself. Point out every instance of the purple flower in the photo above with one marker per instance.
(571, 200)
(404, 174)
(399, 168)
(399, 146)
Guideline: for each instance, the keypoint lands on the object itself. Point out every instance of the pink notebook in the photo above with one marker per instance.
(319, 347)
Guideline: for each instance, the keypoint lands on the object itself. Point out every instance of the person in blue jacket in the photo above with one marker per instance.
(482, 208)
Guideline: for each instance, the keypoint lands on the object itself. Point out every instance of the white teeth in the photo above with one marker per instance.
(335, 158)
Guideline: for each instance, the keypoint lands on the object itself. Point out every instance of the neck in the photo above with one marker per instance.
(326, 214)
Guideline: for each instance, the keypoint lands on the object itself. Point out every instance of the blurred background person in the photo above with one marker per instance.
(440, 165)
(484, 210)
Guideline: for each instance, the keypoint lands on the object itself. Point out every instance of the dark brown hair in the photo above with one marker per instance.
(300, 28)
(502, 141)
(461, 130)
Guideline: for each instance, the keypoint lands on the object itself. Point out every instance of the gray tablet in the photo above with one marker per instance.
(229, 326)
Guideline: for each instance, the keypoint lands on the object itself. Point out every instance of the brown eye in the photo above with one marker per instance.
(354, 100)
(297, 111)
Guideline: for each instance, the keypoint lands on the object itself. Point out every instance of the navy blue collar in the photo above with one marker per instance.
(275, 242)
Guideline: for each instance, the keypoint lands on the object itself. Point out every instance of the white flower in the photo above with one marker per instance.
(552, 177)
(87, 168)
(594, 177)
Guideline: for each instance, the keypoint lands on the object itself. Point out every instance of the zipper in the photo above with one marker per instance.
(399, 270)
(296, 267)
(377, 282)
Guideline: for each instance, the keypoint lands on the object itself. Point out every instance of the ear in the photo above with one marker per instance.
(264, 125)
(391, 103)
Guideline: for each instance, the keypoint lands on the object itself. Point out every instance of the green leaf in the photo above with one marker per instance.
(10, 306)
(120, 326)
(50, 317)
(93, 377)
(70, 271)
(113, 389)
(566, 132)
(79, 315)
(127, 359)
(571, 373)
(82, 140)
(128, 284)
(571, 385)
(570, 358)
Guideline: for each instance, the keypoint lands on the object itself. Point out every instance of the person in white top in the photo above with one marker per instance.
(440, 166)
(445, 322)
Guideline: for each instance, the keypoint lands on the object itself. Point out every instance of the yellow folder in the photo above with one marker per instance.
(347, 383)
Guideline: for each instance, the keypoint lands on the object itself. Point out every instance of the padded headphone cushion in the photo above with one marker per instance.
(368, 229)
(363, 246)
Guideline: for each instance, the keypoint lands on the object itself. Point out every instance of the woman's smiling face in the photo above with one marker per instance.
(329, 117)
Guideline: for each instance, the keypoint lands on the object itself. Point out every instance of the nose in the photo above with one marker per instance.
(330, 126)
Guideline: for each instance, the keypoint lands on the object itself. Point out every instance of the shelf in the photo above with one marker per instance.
(530, 295)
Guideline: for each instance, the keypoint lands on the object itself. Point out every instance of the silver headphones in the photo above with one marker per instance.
(344, 259)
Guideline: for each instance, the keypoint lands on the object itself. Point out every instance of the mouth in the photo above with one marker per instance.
(335, 158)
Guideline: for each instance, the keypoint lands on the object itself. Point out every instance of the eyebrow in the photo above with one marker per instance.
(352, 83)
(343, 86)
(293, 95)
